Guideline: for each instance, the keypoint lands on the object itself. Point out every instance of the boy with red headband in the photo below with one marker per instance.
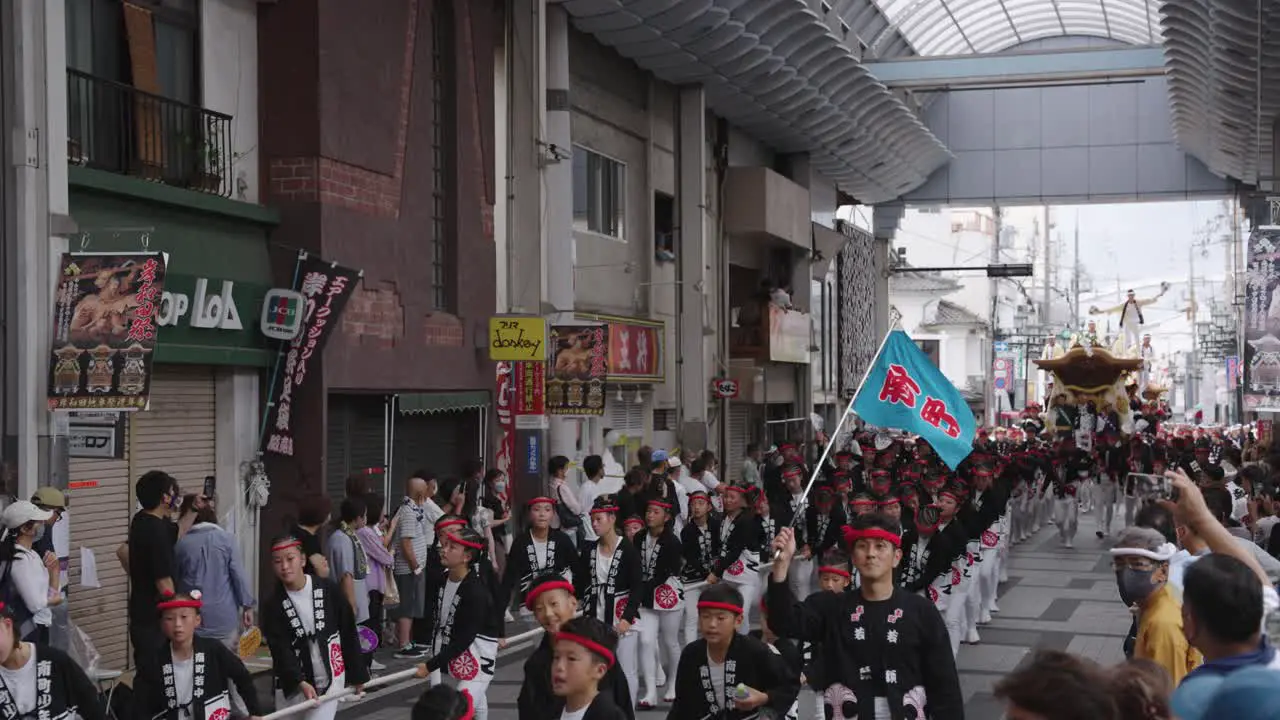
(583, 657)
(883, 650)
(608, 579)
(311, 631)
(700, 545)
(191, 677)
(552, 602)
(460, 607)
(928, 568)
(538, 552)
(740, 544)
(661, 602)
(727, 675)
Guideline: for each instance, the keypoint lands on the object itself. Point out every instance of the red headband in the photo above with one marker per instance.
(534, 501)
(175, 604)
(464, 543)
(547, 587)
(470, 712)
(633, 521)
(589, 644)
(863, 501)
(604, 510)
(890, 501)
(711, 605)
(836, 571)
(450, 522)
(852, 536)
(949, 494)
(286, 544)
(734, 488)
(659, 503)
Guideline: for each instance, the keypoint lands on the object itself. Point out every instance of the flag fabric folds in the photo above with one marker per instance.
(906, 391)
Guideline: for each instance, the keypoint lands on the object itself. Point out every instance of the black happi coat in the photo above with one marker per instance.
(906, 660)
(985, 511)
(741, 535)
(291, 647)
(523, 568)
(215, 670)
(470, 614)
(601, 708)
(749, 662)
(822, 529)
(658, 566)
(700, 548)
(939, 552)
(538, 702)
(70, 692)
(624, 578)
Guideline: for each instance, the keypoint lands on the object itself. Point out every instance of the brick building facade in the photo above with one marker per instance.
(377, 146)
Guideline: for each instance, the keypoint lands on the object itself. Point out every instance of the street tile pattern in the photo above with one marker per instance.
(1057, 598)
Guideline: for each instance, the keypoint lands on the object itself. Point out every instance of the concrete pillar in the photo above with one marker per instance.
(694, 367)
(558, 181)
(884, 221)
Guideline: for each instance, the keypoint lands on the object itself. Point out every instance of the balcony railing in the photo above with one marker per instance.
(118, 128)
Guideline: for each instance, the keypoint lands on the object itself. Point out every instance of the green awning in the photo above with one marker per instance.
(441, 402)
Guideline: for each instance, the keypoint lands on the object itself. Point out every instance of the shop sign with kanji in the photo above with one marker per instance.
(904, 390)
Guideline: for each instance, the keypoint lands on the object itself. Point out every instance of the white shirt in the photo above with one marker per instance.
(304, 604)
(592, 489)
(717, 681)
(184, 678)
(22, 684)
(1264, 527)
(603, 563)
(432, 513)
(31, 579)
(540, 552)
(576, 714)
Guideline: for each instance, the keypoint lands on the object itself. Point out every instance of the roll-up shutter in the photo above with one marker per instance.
(739, 436)
(337, 446)
(99, 512)
(177, 433)
(430, 441)
(357, 440)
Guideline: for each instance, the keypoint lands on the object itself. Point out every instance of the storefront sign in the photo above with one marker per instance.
(326, 288)
(210, 311)
(725, 388)
(505, 454)
(531, 453)
(1261, 324)
(531, 395)
(282, 314)
(96, 435)
(104, 330)
(635, 349)
(517, 338)
(789, 336)
(579, 367)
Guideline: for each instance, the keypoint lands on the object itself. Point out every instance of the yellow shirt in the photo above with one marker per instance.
(1160, 637)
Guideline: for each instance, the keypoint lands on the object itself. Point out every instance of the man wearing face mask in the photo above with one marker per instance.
(152, 537)
(1141, 560)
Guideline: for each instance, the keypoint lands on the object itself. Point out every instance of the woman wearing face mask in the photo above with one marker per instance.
(25, 576)
(1141, 560)
(496, 501)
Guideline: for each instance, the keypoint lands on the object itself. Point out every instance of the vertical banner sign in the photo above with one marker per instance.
(1261, 360)
(506, 418)
(104, 330)
(579, 366)
(1233, 372)
(326, 288)
(531, 395)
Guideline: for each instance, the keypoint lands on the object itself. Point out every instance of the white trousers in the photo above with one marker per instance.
(954, 616)
(691, 596)
(659, 635)
(1130, 509)
(628, 651)
(1108, 494)
(800, 578)
(988, 580)
(1066, 514)
(750, 589)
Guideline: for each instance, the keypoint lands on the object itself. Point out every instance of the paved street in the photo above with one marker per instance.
(1055, 598)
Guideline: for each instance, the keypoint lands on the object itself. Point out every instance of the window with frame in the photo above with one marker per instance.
(599, 193)
(442, 104)
(101, 43)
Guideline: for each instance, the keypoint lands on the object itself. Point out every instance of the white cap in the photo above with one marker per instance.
(21, 512)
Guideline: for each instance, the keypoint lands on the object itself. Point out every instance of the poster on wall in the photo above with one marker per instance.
(104, 330)
(579, 364)
(506, 418)
(1262, 320)
(326, 288)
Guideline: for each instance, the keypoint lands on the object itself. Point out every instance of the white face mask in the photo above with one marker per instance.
(500, 486)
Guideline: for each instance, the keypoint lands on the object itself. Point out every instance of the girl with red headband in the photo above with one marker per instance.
(584, 653)
(538, 552)
(311, 631)
(953, 508)
(606, 577)
(727, 675)
(700, 546)
(661, 602)
(823, 519)
(190, 677)
(884, 652)
(554, 605)
(739, 561)
(928, 558)
(37, 678)
(783, 512)
(461, 608)
(987, 517)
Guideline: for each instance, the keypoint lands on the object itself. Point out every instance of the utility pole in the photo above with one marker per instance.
(1075, 280)
(1045, 316)
(1193, 364)
(994, 289)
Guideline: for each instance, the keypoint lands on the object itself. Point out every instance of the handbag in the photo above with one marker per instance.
(390, 593)
(568, 520)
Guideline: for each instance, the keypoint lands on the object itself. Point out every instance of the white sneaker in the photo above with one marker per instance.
(670, 695)
(661, 679)
(1068, 545)
(984, 618)
(508, 616)
(375, 665)
(972, 637)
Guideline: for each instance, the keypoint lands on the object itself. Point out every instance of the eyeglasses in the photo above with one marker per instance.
(1134, 562)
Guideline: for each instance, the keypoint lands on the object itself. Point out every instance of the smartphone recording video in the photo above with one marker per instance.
(1153, 487)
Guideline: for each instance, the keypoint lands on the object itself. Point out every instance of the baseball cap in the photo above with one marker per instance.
(21, 512)
(49, 497)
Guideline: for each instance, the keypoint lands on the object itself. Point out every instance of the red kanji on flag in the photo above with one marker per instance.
(934, 412)
(899, 387)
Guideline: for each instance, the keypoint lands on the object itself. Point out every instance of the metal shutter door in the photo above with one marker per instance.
(177, 433)
(366, 439)
(338, 446)
(739, 437)
(99, 518)
(428, 441)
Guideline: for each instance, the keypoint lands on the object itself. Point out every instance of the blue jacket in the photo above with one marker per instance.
(209, 561)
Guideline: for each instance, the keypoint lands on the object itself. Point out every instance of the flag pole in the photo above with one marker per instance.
(826, 452)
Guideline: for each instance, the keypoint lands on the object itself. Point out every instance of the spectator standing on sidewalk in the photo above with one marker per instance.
(209, 561)
(376, 544)
(313, 513)
(414, 534)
